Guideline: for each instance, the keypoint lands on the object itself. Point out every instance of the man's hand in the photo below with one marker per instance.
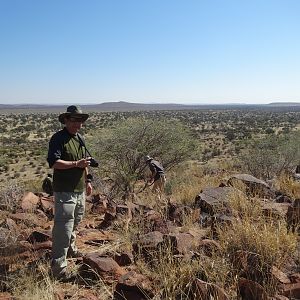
(89, 189)
(83, 163)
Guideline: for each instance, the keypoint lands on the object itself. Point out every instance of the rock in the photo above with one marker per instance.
(154, 222)
(209, 247)
(291, 290)
(181, 243)
(253, 185)
(133, 286)
(47, 205)
(206, 291)
(275, 210)
(105, 267)
(125, 258)
(279, 276)
(250, 290)
(148, 243)
(28, 219)
(9, 224)
(279, 297)
(213, 200)
(178, 214)
(6, 296)
(251, 266)
(39, 236)
(29, 202)
(295, 277)
(109, 217)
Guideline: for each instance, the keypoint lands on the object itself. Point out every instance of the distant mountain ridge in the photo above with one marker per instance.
(129, 106)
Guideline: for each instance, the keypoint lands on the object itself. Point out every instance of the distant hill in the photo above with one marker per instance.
(128, 106)
(284, 103)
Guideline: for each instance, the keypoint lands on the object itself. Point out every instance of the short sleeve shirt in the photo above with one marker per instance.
(67, 147)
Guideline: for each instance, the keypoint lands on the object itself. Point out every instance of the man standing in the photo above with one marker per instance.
(158, 174)
(66, 155)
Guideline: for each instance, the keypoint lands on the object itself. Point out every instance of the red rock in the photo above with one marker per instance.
(6, 296)
(250, 290)
(105, 267)
(279, 275)
(209, 246)
(133, 286)
(47, 204)
(291, 290)
(206, 291)
(29, 202)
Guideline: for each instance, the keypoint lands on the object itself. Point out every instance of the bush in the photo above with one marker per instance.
(122, 149)
(271, 156)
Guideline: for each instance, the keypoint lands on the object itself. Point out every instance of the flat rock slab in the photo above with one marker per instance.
(213, 200)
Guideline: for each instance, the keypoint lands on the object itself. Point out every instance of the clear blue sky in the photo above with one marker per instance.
(192, 51)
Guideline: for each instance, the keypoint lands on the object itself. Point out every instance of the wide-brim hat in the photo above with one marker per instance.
(74, 112)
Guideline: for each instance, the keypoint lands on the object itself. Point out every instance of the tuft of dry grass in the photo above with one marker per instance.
(251, 231)
(288, 186)
(185, 182)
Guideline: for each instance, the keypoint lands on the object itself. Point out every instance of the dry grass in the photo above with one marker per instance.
(251, 231)
(36, 284)
(288, 186)
(188, 180)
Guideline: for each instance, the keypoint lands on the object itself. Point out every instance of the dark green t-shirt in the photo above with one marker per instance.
(67, 147)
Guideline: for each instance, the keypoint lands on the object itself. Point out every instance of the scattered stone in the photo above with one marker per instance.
(105, 267)
(254, 186)
(291, 290)
(6, 296)
(209, 247)
(181, 243)
(251, 290)
(47, 205)
(29, 202)
(39, 236)
(206, 291)
(148, 243)
(214, 200)
(275, 210)
(280, 276)
(133, 286)
(125, 258)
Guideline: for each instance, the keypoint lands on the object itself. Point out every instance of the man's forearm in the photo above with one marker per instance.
(64, 164)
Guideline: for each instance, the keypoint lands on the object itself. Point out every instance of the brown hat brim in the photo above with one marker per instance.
(82, 117)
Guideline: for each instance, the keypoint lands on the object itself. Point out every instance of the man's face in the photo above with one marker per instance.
(73, 125)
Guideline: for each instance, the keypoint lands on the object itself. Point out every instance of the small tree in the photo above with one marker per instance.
(122, 149)
(271, 156)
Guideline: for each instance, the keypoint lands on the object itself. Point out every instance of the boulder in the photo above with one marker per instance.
(181, 243)
(29, 202)
(103, 266)
(251, 290)
(253, 185)
(206, 291)
(214, 200)
(133, 286)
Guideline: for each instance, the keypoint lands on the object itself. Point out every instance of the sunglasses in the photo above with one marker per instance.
(78, 120)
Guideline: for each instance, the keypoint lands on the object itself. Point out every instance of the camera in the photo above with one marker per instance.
(93, 163)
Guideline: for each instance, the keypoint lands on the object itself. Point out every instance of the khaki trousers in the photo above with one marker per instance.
(159, 185)
(69, 211)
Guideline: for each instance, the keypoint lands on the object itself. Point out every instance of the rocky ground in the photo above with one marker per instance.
(134, 250)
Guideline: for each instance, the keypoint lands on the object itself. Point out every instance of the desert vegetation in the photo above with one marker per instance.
(227, 226)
